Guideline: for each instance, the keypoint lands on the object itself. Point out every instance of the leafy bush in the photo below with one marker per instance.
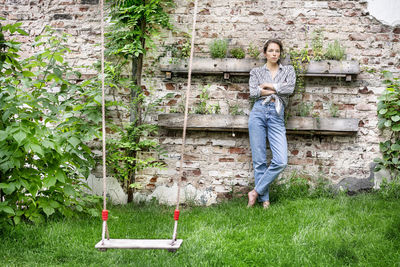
(46, 120)
(237, 52)
(218, 48)
(335, 51)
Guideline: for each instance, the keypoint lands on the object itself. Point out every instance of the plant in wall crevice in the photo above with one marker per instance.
(305, 109)
(203, 107)
(235, 109)
(334, 109)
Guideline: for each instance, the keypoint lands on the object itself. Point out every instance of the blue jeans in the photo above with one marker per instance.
(265, 122)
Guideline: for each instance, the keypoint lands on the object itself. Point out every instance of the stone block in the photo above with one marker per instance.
(354, 185)
(167, 195)
(224, 143)
(114, 189)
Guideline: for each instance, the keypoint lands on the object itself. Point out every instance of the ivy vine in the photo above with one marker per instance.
(389, 119)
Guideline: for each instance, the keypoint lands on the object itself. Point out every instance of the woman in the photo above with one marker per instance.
(271, 85)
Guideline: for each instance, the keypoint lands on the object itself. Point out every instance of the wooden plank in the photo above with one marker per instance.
(323, 124)
(207, 65)
(139, 244)
(333, 67)
(330, 68)
(239, 123)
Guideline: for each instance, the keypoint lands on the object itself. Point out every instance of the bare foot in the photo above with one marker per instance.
(266, 205)
(252, 198)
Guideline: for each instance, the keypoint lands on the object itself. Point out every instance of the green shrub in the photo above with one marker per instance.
(218, 48)
(237, 52)
(335, 51)
(46, 120)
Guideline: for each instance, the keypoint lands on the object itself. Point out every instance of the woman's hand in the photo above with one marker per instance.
(267, 86)
(267, 92)
(267, 89)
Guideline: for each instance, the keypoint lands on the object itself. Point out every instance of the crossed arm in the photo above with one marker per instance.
(265, 89)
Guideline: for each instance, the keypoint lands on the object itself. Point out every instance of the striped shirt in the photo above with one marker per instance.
(284, 82)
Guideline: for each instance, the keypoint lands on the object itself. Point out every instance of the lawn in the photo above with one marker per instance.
(362, 230)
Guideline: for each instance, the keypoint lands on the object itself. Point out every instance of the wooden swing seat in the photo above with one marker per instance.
(139, 244)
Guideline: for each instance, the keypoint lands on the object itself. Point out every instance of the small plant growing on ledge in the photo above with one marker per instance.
(177, 51)
(335, 51)
(203, 107)
(237, 52)
(253, 51)
(218, 48)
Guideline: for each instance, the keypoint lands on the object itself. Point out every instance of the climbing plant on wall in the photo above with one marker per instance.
(134, 26)
(389, 119)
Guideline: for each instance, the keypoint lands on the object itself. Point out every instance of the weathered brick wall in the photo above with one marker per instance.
(218, 161)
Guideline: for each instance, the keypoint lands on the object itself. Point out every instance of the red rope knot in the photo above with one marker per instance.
(176, 215)
(104, 214)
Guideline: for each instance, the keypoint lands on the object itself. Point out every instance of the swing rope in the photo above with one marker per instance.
(176, 214)
(103, 119)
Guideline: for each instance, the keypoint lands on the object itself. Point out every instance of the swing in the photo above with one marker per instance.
(168, 244)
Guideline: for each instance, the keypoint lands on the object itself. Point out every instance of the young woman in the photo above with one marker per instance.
(271, 85)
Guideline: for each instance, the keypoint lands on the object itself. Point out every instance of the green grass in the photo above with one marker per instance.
(363, 230)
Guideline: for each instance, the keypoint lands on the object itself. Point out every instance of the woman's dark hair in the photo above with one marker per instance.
(273, 41)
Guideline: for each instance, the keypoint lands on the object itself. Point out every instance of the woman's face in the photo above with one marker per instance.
(273, 53)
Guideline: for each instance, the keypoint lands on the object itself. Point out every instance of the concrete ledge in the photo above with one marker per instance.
(235, 66)
(239, 123)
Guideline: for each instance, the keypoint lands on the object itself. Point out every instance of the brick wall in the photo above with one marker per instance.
(219, 161)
